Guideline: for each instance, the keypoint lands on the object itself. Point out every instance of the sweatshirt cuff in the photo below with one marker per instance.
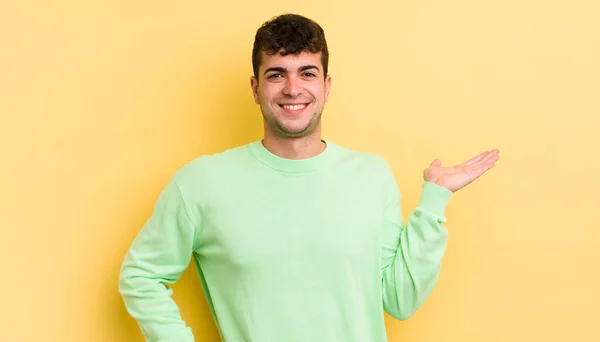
(434, 199)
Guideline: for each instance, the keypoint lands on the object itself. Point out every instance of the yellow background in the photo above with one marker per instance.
(102, 101)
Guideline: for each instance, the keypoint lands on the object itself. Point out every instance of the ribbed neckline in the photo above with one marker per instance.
(260, 152)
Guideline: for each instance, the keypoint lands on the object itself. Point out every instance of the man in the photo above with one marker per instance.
(294, 237)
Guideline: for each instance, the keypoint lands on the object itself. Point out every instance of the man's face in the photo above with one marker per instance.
(291, 91)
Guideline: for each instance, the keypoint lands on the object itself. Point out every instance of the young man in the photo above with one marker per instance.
(294, 238)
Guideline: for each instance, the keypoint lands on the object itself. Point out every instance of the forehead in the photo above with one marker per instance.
(291, 61)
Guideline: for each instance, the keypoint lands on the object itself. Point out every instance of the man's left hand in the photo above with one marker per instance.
(457, 177)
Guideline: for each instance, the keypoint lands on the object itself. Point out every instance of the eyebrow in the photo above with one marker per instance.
(302, 68)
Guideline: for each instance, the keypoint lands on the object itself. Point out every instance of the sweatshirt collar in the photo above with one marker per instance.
(260, 152)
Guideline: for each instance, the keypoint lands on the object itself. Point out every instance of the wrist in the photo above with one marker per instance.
(434, 198)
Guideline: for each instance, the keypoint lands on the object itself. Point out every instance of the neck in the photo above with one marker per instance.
(294, 148)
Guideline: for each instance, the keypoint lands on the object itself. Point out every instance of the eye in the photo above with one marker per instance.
(272, 76)
(309, 74)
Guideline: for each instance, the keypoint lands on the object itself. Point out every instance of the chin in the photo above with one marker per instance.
(294, 133)
(297, 131)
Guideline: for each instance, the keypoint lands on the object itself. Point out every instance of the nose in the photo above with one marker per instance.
(292, 87)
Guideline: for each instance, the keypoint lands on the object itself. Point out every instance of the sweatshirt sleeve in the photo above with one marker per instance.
(158, 256)
(412, 253)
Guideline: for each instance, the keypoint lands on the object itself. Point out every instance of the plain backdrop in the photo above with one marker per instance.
(102, 101)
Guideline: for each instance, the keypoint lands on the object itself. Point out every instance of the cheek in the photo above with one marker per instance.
(319, 96)
(318, 90)
(268, 94)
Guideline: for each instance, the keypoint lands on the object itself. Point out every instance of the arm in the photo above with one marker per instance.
(158, 256)
(412, 253)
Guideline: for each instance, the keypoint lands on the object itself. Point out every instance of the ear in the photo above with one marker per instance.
(327, 87)
(254, 86)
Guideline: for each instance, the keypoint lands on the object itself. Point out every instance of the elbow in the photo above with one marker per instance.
(403, 316)
(401, 313)
(403, 305)
(123, 283)
(127, 280)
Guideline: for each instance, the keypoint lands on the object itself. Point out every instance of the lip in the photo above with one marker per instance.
(303, 106)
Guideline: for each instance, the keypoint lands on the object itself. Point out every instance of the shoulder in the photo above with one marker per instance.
(209, 167)
(366, 160)
(368, 170)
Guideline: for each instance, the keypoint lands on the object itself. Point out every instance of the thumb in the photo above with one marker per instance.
(436, 163)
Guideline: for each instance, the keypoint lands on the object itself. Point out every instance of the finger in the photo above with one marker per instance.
(483, 157)
(484, 166)
(435, 163)
(476, 172)
(475, 159)
(492, 157)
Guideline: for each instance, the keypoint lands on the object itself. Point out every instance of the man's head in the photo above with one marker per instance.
(290, 81)
(289, 34)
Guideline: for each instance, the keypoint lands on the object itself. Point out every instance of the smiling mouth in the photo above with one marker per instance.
(293, 107)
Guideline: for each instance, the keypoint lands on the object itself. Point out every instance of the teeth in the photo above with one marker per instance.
(294, 107)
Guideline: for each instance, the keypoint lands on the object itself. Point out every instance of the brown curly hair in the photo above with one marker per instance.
(289, 34)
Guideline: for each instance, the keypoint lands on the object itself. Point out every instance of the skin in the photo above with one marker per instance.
(458, 176)
(296, 133)
(285, 80)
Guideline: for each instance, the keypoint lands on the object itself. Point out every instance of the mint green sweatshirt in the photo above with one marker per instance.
(310, 250)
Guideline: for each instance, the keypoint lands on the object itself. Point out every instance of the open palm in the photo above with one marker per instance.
(456, 177)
